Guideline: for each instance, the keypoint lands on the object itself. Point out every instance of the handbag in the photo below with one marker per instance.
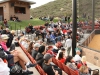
(15, 68)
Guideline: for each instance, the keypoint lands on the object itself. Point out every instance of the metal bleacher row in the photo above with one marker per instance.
(97, 26)
(66, 69)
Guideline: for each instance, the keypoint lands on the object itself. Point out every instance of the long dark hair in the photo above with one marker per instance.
(68, 59)
(30, 48)
(60, 55)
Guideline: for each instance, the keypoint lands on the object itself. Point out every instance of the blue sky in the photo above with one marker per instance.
(40, 2)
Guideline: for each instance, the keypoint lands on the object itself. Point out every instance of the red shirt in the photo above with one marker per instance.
(64, 31)
(51, 52)
(62, 60)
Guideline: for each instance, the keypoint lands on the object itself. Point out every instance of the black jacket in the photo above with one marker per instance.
(9, 42)
(5, 54)
(39, 59)
(34, 53)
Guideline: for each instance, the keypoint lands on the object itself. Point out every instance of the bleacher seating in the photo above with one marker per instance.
(40, 70)
(56, 62)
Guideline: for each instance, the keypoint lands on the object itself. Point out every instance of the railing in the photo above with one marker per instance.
(40, 70)
(66, 69)
(88, 39)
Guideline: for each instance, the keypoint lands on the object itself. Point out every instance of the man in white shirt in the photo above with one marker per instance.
(68, 44)
(77, 56)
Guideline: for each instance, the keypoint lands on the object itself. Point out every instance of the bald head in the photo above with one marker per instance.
(78, 52)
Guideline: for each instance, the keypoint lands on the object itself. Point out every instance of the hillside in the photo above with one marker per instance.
(55, 8)
(64, 7)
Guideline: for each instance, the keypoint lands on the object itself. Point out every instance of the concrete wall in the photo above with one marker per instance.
(92, 56)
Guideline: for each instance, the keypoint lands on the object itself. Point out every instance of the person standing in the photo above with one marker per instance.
(68, 44)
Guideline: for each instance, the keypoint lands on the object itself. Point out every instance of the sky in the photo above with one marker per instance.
(39, 2)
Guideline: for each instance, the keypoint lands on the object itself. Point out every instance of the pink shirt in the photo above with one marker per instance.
(3, 44)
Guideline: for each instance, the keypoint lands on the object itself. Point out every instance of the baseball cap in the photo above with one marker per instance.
(37, 45)
(4, 36)
(47, 56)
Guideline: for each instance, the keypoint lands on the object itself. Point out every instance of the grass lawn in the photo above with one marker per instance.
(24, 23)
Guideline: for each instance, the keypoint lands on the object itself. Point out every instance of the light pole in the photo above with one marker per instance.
(74, 13)
(93, 14)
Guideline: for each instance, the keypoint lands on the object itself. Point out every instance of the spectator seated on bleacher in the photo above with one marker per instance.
(56, 48)
(47, 67)
(61, 57)
(20, 36)
(61, 50)
(70, 63)
(11, 37)
(25, 42)
(30, 48)
(35, 50)
(38, 33)
(39, 56)
(13, 56)
(50, 50)
(48, 38)
(77, 56)
(84, 70)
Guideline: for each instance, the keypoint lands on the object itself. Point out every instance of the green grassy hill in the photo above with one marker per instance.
(64, 7)
(55, 8)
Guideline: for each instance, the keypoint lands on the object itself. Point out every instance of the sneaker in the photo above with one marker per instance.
(28, 72)
(31, 65)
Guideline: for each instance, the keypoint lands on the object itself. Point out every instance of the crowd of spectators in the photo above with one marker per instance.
(55, 41)
(11, 55)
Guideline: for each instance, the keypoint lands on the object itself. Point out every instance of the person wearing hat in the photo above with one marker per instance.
(47, 67)
(50, 48)
(35, 51)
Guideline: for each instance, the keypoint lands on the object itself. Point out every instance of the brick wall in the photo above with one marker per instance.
(19, 15)
(5, 10)
(8, 10)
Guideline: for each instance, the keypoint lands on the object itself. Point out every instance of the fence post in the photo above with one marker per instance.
(11, 27)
